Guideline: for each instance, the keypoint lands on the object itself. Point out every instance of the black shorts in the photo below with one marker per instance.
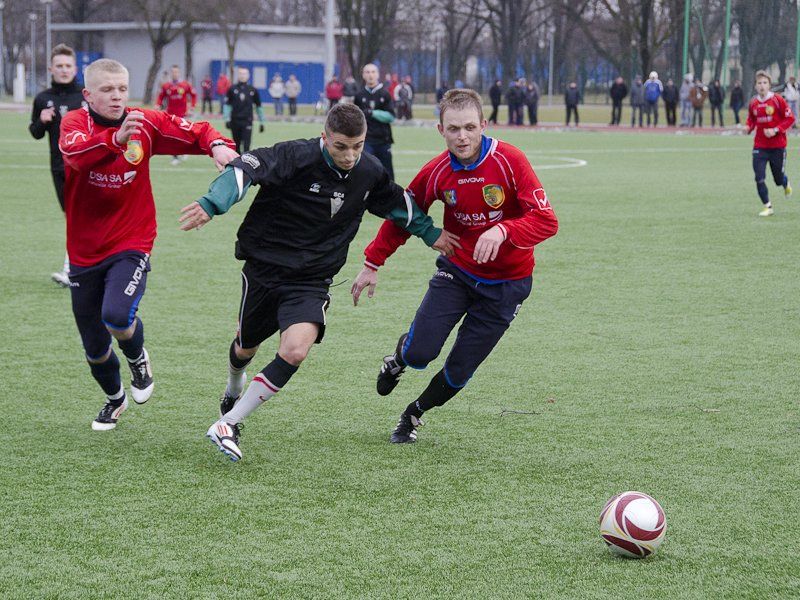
(267, 307)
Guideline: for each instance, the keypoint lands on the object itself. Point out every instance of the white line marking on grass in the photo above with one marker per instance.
(553, 151)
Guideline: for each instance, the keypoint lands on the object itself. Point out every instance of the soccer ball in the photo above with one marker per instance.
(632, 524)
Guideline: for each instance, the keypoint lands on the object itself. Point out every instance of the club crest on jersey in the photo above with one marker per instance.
(770, 110)
(450, 197)
(134, 152)
(493, 195)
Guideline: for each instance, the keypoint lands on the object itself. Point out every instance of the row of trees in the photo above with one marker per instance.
(512, 37)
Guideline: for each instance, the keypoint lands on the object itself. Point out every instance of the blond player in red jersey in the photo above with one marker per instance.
(770, 116)
(496, 205)
(111, 221)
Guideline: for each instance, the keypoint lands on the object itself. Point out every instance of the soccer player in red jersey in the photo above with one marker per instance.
(177, 92)
(496, 205)
(111, 221)
(770, 116)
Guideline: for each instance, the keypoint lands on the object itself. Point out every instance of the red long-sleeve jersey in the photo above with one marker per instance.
(501, 189)
(773, 111)
(108, 197)
(177, 94)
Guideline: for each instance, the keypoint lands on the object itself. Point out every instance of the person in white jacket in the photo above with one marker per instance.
(293, 89)
(686, 103)
(791, 93)
(277, 89)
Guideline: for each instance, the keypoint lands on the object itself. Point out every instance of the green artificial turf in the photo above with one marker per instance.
(658, 352)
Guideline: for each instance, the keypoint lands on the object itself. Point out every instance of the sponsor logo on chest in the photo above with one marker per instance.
(111, 180)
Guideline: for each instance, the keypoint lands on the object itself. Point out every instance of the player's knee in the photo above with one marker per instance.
(418, 356)
(118, 321)
(294, 355)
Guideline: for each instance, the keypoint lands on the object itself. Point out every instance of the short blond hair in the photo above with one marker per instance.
(460, 98)
(764, 74)
(100, 67)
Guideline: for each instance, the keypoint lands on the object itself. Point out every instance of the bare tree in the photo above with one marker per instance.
(82, 11)
(162, 22)
(462, 22)
(370, 28)
(509, 21)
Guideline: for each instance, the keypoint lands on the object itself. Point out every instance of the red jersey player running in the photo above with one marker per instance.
(770, 116)
(111, 221)
(177, 92)
(495, 203)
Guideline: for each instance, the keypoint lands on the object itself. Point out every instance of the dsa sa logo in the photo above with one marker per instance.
(450, 197)
(493, 195)
(134, 152)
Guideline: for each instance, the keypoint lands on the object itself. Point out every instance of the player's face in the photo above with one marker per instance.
(370, 75)
(345, 151)
(243, 75)
(176, 74)
(108, 95)
(63, 68)
(462, 130)
(762, 86)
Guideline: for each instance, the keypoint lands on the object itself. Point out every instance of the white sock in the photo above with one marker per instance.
(259, 391)
(236, 381)
(66, 263)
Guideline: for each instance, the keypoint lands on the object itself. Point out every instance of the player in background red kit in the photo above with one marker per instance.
(770, 116)
(177, 92)
(496, 205)
(111, 221)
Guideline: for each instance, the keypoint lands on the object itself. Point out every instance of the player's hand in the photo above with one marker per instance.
(366, 278)
(222, 155)
(193, 217)
(770, 132)
(446, 243)
(130, 126)
(260, 128)
(47, 114)
(488, 245)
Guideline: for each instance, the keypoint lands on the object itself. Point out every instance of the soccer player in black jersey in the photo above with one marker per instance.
(293, 240)
(238, 110)
(49, 107)
(378, 106)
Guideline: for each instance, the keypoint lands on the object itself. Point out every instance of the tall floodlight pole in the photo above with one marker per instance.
(33, 17)
(551, 32)
(48, 5)
(2, 52)
(330, 42)
(687, 9)
(438, 60)
(797, 45)
(726, 40)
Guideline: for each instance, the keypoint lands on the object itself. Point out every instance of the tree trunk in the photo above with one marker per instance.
(188, 48)
(152, 72)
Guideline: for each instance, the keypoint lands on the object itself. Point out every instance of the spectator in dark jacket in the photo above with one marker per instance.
(495, 96)
(618, 92)
(637, 100)
(571, 98)
(716, 97)
(698, 96)
(515, 98)
(737, 99)
(670, 96)
(532, 101)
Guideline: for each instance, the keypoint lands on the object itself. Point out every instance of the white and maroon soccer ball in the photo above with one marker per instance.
(632, 524)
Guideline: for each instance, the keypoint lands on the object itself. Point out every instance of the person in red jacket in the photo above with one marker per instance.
(223, 85)
(177, 93)
(770, 116)
(334, 92)
(496, 205)
(111, 221)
